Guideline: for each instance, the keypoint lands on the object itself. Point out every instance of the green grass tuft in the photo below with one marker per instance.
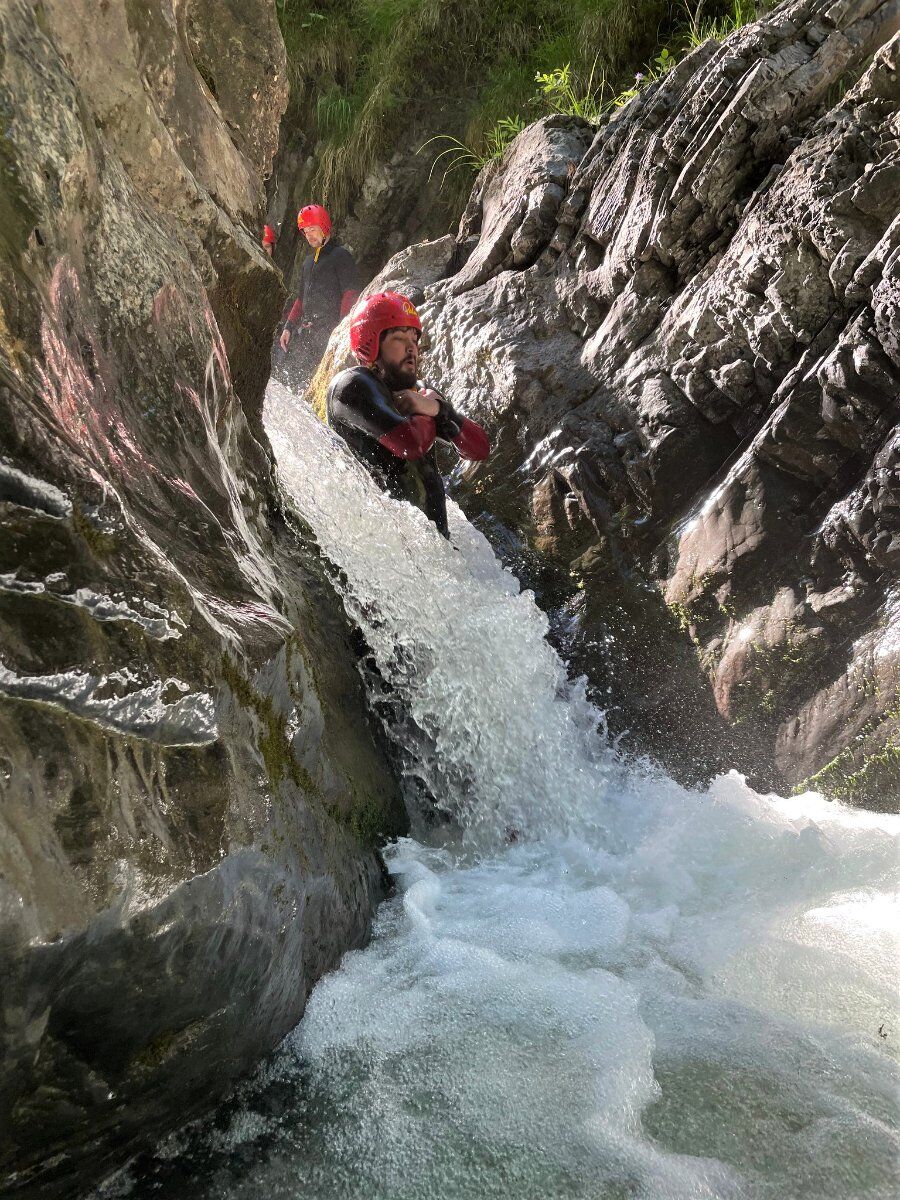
(718, 25)
(364, 73)
(464, 76)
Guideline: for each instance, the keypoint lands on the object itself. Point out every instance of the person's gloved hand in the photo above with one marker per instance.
(411, 400)
(285, 339)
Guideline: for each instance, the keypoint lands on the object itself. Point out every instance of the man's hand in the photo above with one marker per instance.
(285, 339)
(411, 401)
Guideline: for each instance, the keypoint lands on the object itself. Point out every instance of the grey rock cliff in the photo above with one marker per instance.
(189, 790)
(682, 333)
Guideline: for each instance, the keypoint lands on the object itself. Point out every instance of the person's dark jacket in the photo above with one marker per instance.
(329, 285)
(398, 449)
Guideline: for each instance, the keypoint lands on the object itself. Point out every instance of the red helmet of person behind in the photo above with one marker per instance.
(377, 314)
(314, 214)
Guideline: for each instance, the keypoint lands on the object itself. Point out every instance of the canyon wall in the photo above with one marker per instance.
(190, 792)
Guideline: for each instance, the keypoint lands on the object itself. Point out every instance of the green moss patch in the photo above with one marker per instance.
(274, 743)
(872, 778)
(164, 1047)
(875, 782)
(101, 542)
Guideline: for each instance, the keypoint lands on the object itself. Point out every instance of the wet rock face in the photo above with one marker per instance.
(685, 348)
(189, 792)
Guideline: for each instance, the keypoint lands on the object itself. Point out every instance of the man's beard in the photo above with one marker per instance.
(398, 378)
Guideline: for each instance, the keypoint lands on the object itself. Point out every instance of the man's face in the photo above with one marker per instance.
(399, 357)
(314, 235)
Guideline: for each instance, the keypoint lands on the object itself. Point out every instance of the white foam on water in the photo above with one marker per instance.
(497, 733)
(559, 1021)
(601, 985)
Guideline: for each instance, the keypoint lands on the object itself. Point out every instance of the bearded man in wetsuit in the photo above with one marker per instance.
(388, 418)
(329, 287)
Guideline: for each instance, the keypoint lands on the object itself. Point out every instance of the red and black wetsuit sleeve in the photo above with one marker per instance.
(358, 400)
(293, 317)
(470, 439)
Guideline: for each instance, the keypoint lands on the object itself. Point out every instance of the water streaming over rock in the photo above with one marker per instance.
(592, 982)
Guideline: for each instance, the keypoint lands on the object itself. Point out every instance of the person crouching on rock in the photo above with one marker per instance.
(329, 287)
(388, 418)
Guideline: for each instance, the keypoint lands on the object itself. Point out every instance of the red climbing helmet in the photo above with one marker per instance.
(376, 315)
(314, 214)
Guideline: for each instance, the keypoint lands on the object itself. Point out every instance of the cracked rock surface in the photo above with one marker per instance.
(681, 329)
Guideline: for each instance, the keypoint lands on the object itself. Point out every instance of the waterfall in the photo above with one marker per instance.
(592, 982)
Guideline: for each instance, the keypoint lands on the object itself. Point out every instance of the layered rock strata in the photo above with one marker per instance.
(682, 330)
(189, 791)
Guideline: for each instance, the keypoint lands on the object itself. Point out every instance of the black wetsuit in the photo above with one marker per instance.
(329, 283)
(399, 450)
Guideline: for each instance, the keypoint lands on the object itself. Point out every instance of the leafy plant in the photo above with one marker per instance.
(652, 73)
(663, 63)
(504, 132)
(564, 92)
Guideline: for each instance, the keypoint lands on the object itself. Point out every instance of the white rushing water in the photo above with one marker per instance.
(592, 982)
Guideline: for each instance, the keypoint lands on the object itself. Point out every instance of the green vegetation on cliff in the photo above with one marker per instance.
(373, 77)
